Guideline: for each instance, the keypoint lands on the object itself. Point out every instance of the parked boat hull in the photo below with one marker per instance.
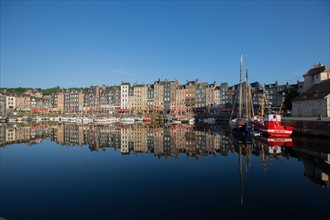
(275, 129)
(276, 132)
(242, 127)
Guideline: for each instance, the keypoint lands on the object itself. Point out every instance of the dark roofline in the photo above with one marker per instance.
(318, 91)
(125, 83)
(317, 69)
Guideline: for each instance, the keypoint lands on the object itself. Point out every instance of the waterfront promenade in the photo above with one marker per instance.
(290, 118)
(316, 126)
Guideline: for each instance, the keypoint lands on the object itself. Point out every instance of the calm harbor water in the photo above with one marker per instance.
(159, 172)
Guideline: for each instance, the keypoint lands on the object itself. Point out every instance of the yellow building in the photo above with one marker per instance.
(140, 97)
(180, 105)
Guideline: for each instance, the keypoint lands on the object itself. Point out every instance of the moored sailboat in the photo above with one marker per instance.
(242, 123)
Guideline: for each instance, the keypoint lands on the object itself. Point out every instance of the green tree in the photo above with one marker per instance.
(290, 96)
(51, 91)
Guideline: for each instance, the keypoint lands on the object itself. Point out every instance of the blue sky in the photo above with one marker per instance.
(81, 43)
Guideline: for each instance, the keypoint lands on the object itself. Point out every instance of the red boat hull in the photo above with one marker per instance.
(274, 129)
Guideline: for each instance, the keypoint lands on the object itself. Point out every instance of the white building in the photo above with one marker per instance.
(10, 102)
(124, 94)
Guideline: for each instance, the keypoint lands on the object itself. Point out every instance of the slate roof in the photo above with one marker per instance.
(318, 91)
(317, 70)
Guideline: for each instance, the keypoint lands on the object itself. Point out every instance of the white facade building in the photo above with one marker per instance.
(124, 94)
(10, 102)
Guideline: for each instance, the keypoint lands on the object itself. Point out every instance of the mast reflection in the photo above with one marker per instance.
(166, 141)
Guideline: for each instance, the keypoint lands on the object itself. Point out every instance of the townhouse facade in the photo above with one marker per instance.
(115, 97)
(191, 87)
(200, 94)
(124, 94)
(11, 102)
(140, 98)
(209, 93)
(151, 99)
(167, 96)
(91, 99)
(180, 106)
(74, 102)
(173, 89)
(159, 96)
(3, 103)
(222, 99)
(23, 103)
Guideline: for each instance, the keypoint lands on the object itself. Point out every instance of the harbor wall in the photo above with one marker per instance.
(316, 127)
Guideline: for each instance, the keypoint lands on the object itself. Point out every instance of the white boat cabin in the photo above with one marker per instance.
(272, 117)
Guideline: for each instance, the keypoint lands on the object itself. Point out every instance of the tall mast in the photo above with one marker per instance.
(250, 99)
(263, 101)
(240, 90)
(247, 108)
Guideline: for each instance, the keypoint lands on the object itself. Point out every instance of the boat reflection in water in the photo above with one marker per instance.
(273, 146)
(136, 180)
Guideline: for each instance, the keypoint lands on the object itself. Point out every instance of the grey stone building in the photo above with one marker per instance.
(314, 100)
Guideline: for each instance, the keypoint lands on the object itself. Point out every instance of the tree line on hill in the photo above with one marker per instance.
(49, 91)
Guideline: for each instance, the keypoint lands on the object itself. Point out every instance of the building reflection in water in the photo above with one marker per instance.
(315, 155)
(171, 141)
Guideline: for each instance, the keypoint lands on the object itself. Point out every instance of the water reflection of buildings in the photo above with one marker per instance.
(167, 141)
(29, 135)
(171, 141)
(315, 154)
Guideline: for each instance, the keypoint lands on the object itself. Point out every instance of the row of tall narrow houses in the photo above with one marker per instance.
(314, 100)
(165, 96)
(160, 97)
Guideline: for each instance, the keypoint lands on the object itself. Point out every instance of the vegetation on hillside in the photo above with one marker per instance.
(18, 90)
(49, 91)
